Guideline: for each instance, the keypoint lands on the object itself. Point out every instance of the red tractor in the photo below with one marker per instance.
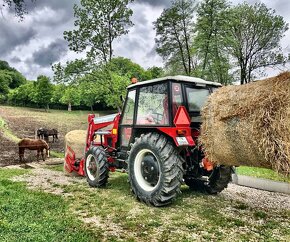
(155, 138)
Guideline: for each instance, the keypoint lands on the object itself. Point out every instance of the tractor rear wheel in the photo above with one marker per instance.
(96, 167)
(155, 169)
(217, 181)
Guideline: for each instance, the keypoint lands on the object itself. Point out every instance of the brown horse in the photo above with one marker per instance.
(33, 144)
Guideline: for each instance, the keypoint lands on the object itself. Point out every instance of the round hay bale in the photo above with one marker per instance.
(249, 124)
(76, 140)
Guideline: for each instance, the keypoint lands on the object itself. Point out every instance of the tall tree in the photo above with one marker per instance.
(174, 33)
(99, 23)
(71, 96)
(43, 91)
(210, 41)
(253, 35)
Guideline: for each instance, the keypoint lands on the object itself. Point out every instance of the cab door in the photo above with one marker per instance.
(127, 119)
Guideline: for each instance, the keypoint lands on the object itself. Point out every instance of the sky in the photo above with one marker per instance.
(32, 45)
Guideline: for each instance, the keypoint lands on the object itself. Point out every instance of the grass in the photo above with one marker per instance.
(6, 131)
(193, 216)
(262, 173)
(56, 154)
(55, 167)
(27, 215)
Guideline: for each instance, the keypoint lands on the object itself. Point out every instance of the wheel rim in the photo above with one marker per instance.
(147, 170)
(91, 167)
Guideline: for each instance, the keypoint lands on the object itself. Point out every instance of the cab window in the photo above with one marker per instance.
(129, 109)
(196, 98)
(153, 105)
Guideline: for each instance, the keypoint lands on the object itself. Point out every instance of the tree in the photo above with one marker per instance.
(155, 72)
(210, 41)
(90, 92)
(15, 77)
(71, 71)
(5, 81)
(71, 97)
(174, 33)
(18, 5)
(112, 98)
(126, 67)
(100, 23)
(22, 95)
(43, 90)
(253, 35)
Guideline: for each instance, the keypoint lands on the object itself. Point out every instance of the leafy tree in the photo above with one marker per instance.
(71, 97)
(253, 35)
(15, 77)
(22, 95)
(118, 89)
(5, 81)
(125, 67)
(99, 24)
(210, 41)
(155, 72)
(71, 71)
(18, 5)
(174, 34)
(57, 93)
(42, 91)
(4, 65)
(90, 92)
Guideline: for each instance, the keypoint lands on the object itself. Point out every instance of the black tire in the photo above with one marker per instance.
(96, 167)
(217, 181)
(155, 169)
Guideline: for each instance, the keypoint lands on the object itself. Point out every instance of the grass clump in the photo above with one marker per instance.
(27, 215)
(262, 173)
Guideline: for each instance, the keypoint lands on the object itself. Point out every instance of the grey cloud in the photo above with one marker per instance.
(13, 35)
(156, 3)
(15, 59)
(51, 53)
(152, 53)
(282, 7)
(53, 4)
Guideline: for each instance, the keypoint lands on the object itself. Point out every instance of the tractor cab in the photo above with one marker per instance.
(153, 105)
(155, 139)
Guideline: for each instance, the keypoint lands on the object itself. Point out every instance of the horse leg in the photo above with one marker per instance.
(21, 154)
(42, 155)
(38, 154)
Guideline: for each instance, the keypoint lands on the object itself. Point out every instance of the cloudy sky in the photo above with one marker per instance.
(31, 46)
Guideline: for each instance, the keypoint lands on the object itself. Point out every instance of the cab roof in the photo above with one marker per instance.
(178, 78)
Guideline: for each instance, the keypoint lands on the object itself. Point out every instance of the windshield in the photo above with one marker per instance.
(196, 98)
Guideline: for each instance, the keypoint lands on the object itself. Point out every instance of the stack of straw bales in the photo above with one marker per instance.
(76, 139)
(249, 124)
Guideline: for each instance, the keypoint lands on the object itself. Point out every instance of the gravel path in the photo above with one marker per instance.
(257, 198)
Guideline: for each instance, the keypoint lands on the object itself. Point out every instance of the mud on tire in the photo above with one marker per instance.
(155, 169)
(96, 167)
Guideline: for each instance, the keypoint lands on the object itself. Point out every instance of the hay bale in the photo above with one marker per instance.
(249, 124)
(76, 139)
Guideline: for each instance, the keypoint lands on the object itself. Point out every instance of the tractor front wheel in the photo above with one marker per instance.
(96, 167)
(217, 180)
(155, 169)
